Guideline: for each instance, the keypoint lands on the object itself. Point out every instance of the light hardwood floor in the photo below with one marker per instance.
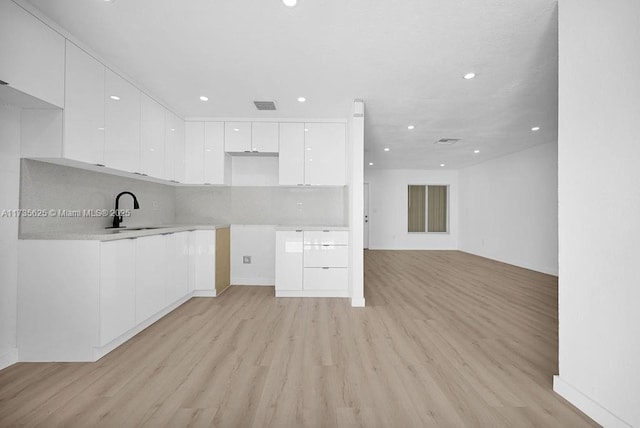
(447, 340)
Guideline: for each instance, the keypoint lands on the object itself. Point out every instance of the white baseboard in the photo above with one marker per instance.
(8, 358)
(267, 282)
(357, 302)
(587, 406)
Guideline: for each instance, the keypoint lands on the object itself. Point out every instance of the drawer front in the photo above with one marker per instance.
(326, 256)
(325, 279)
(331, 237)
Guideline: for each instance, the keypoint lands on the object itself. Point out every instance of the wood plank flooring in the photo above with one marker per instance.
(447, 340)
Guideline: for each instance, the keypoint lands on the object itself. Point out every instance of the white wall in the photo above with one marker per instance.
(9, 190)
(599, 200)
(509, 209)
(388, 210)
(259, 242)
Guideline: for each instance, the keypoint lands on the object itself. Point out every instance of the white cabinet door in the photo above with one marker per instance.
(84, 107)
(319, 256)
(237, 137)
(31, 55)
(122, 124)
(325, 154)
(264, 137)
(326, 279)
(194, 152)
(152, 135)
(289, 260)
(173, 147)
(215, 158)
(117, 288)
(204, 253)
(179, 150)
(291, 157)
(177, 262)
(151, 274)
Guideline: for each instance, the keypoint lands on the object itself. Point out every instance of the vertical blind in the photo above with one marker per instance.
(427, 210)
(417, 205)
(437, 209)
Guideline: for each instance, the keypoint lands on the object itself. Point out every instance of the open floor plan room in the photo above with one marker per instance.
(447, 339)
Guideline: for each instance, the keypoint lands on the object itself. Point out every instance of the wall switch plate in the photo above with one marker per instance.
(246, 260)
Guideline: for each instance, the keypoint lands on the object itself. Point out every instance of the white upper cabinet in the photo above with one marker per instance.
(179, 149)
(194, 152)
(122, 124)
(174, 147)
(84, 107)
(291, 157)
(237, 137)
(325, 154)
(31, 55)
(216, 161)
(264, 137)
(152, 138)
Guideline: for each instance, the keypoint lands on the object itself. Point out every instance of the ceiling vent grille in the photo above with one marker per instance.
(447, 141)
(265, 105)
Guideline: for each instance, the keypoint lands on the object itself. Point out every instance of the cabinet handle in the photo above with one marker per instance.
(99, 164)
(247, 151)
(300, 184)
(3, 83)
(167, 233)
(298, 230)
(324, 267)
(326, 231)
(326, 245)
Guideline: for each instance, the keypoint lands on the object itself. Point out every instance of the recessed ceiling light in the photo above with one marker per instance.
(370, 163)
(173, 129)
(441, 164)
(100, 129)
(290, 3)
(469, 76)
(115, 97)
(203, 98)
(410, 127)
(109, 1)
(386, 149)
(236, 129)
(535, 128)
(302, 99)
(476, 151)
(306, 129)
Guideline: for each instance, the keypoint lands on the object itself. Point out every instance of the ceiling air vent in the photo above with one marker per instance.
(265, 105)
(447, 141)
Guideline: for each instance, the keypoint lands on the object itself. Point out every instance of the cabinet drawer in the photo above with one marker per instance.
(330, 237)
(326, 256)
(325, 279)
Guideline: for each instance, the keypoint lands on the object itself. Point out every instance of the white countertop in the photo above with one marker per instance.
(116, 234)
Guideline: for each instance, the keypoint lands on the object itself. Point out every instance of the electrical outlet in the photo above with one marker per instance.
(246, 260)
(299, 205)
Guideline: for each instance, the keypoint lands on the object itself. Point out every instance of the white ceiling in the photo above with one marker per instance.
(405, 58)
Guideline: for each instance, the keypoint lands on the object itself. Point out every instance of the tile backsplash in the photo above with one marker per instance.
(45, 186)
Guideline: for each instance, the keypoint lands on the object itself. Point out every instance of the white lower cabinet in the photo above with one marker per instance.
(289, 260)
(78, 300)
(151, 274)
(117, 288)
(312, 263)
